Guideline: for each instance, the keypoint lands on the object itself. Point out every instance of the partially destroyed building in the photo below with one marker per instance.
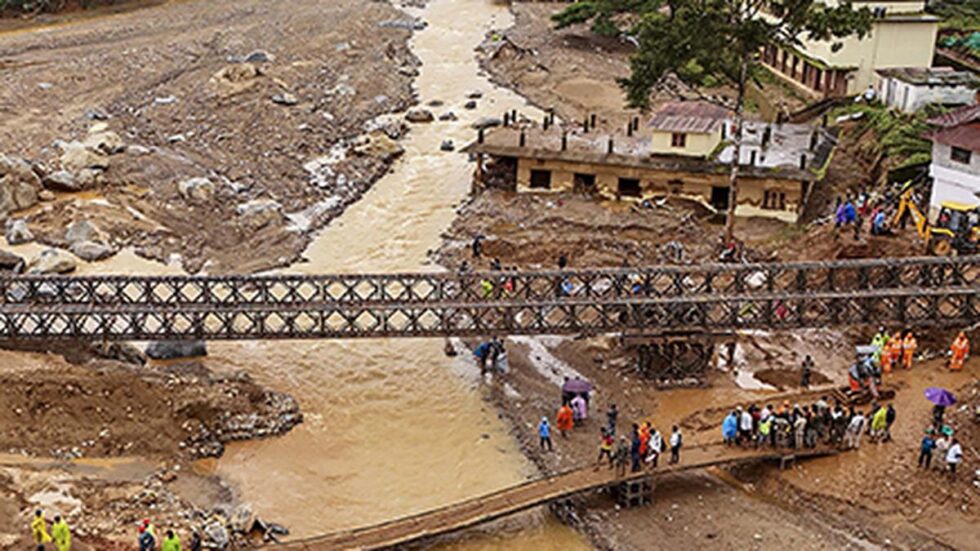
(685, 152)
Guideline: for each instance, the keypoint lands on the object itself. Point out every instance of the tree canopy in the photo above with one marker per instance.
(694, 39)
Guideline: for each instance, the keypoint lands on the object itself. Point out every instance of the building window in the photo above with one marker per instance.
(583, 183)
(960, 155)
(629, 187)
(540, 179)
(678, 139)
(774, 200)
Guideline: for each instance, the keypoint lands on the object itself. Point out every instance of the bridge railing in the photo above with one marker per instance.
(478, 287)
(764, 311)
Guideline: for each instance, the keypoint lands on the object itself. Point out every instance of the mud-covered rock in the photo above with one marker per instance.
(105, 141)
(91, 251)
(52, 261)
(169, 350)
(120, 351)
(9, 262)
(418, 115)
(62, 180)
(259, 213)
(83, 230)
(17, 232)
(377, 144)
(196, 189)
(75, 157)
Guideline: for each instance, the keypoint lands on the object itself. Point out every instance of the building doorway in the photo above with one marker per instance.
(719, 197)
(629, 187)
(583, 183)
(540, 179)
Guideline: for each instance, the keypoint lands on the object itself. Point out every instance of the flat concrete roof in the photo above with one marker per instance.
(779, 159)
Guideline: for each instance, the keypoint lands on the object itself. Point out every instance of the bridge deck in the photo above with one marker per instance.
(524, 496)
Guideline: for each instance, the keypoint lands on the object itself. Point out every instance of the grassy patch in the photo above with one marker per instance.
(896, 135)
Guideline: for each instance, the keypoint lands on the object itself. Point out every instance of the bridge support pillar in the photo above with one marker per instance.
(674, 360)
(634, 493)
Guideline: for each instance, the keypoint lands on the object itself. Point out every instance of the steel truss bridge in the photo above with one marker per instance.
(913, 292)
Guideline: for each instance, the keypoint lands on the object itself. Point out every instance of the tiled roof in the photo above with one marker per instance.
(957, 117)
(688, 116)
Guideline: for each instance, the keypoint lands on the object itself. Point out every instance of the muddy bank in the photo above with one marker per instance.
(106, 443)
(241, 127)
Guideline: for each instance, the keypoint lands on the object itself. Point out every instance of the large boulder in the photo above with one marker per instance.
(83, 230)
(216, 536)
(52, 261)
(169, 350)
(377, 144)
(487, 122)
(75, 157)
(121, 352)
(91, 251)
(105, 141)
(17, 232)
(62, 180)
(259, 213)
(196, 189)
(418, 115)
(19, 185)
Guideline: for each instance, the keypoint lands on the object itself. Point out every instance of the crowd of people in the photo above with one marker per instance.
(807, 426)
(146, 539)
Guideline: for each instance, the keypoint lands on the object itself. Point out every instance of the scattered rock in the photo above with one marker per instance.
(285, 98)
(120, 351)
(411, 25)
(436, 103)
(165, 100)
(61, 180)
(259, 56)
(91, 251)
(419, 115)
(408, 70)
(88, 177)
(377, 144)
(259, 213)
(96, 115)
(76, 157)
(18, 185)
(9, 262)
(233, 79)
(242, 519)
(448, 116)
(447, 145)
(196, 189)
(137, 150)
(52, 261)
(17, 232)
(470, 104)
(476, 94)
(107, 142)
(487, 122)
(169, 350)
(46, 195)
(215, 535)
(83, 230)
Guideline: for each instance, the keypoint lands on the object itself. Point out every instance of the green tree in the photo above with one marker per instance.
(695, 40)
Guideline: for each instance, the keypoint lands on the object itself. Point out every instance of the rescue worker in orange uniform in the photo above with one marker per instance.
(959, 351)
(565, 420)
(890, 354)
(909, 345)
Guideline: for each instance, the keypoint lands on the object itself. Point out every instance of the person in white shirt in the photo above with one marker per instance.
(854, 432)
(745, 427)
(953, 457)
(676, 441)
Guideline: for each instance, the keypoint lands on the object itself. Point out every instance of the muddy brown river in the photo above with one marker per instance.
(392, 427)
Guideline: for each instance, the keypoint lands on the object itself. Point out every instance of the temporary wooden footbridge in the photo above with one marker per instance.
(914, 292)
(496, 505)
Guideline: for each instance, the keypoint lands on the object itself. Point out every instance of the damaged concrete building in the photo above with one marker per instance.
(685, 152)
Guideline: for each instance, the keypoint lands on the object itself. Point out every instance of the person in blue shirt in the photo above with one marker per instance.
(850, 214)
(925, 449)
(729, 428)
(544, 434)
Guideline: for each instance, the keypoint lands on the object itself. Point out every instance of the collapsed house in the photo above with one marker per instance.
(684, 152)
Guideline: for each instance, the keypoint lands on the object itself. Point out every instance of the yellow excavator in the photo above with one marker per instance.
(956, 231)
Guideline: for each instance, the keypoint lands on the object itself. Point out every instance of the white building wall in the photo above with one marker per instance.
(910, 98)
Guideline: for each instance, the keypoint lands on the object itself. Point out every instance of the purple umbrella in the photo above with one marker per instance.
(940, 396)
(577, 386)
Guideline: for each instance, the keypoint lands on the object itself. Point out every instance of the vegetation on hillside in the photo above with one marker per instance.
(897, 137)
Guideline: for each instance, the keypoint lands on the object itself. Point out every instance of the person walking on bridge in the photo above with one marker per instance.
(564, 420)
(622, 455)
(635, 446)
(605, 448)
(729, 428)
(959, 351)
(855, 429)
(544, 434)
(656, 447)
